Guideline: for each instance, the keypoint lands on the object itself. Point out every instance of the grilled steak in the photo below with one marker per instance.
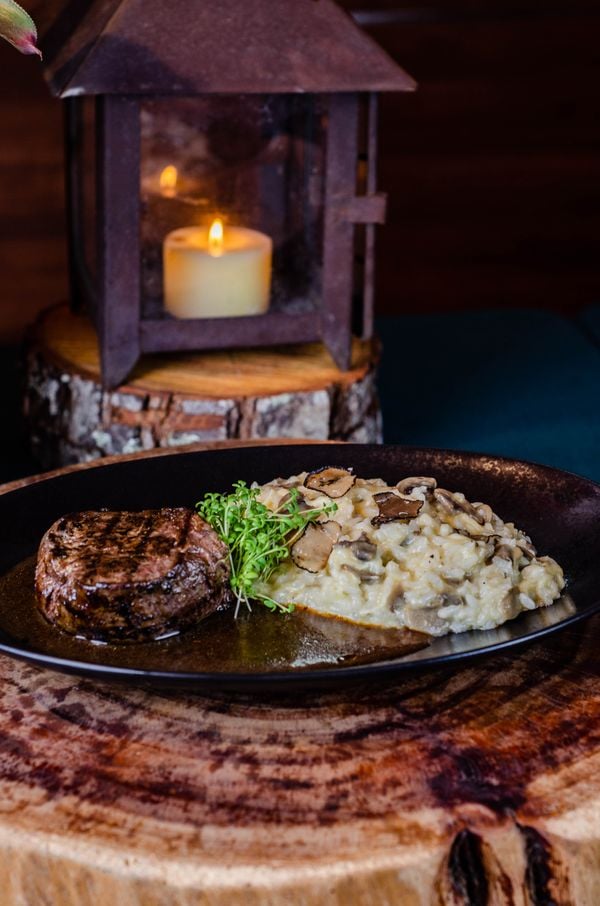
(130, 576)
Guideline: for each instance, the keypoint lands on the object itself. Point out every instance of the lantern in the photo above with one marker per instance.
(221, 172)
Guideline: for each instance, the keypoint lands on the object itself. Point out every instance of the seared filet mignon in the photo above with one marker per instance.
(130, 576)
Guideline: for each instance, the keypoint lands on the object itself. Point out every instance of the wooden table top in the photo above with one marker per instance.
(463, 786)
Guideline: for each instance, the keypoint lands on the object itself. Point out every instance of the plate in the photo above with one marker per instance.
(559, 510)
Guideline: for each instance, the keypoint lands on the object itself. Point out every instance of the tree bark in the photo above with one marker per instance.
(175, 400)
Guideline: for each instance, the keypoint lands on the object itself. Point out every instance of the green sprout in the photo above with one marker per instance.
(259, 539)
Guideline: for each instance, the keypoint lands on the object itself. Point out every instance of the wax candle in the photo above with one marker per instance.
(221, 272)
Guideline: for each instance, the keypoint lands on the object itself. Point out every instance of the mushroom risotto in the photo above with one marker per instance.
(411, 555)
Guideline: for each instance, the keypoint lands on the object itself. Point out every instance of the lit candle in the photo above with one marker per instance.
(217, 273)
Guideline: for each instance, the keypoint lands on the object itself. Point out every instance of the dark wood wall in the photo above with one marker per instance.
(493, 166)
(32, 247)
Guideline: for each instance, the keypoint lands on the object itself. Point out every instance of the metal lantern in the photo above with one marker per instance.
(221, 168)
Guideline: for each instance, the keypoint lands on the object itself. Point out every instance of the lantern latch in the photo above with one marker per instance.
(365, 208)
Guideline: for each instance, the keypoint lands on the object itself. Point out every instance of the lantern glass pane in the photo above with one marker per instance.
(89, 183)
(255, 162)
(84, 202)
(364, 235)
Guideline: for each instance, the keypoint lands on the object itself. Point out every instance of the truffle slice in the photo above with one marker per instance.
(330, 481)
(393, 508)
(311, 551)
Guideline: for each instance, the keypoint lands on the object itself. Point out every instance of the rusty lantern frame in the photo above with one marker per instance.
(84, 53)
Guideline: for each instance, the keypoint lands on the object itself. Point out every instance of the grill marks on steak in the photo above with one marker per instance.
(112, 548)
(131, 576)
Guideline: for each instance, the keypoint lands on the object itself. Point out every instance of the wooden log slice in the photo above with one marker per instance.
(472, 788)
(465, 787)
(187, 398)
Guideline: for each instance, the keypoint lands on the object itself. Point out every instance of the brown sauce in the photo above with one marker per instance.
(256, 642)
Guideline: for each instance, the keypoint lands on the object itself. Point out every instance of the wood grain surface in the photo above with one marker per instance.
(70, 342)
(471, 786)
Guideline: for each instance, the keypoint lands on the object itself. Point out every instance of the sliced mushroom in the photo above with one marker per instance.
(527, 547)
(512, 554)
(509, 605)
(468, 508)
(395, 599)
(332, 528)
(493, 536)
(409, 484)
(307, 502)
(398, 603)
(292, 482)
(279, 496)
(451, 502)
(424, 620)
(485, 511)
(516, 551)
(330, 481)
(362, 548)
(311, 551)
(451, 600)
(366, 577)
(473, 528)
(445, 499)
(392, 508)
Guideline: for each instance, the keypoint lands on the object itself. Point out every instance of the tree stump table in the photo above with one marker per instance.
(294, 391)
(465, 787)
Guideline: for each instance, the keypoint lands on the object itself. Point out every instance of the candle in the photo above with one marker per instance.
(217, 273)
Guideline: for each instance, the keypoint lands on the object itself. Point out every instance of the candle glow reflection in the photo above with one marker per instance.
(168, 181)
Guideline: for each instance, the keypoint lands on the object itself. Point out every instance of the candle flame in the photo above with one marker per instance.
(168, 181)
(215, 238)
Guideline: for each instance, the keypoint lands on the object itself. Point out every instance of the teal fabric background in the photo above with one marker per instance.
(520, 383)
(590, 322)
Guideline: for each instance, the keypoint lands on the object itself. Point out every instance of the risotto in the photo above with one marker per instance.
(411, 555)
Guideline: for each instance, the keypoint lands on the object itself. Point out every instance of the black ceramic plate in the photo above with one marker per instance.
(560, 511)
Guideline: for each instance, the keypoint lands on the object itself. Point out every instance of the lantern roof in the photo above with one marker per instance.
(189, 47)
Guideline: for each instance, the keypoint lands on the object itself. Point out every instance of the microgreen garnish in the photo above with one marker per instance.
(258, 538)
